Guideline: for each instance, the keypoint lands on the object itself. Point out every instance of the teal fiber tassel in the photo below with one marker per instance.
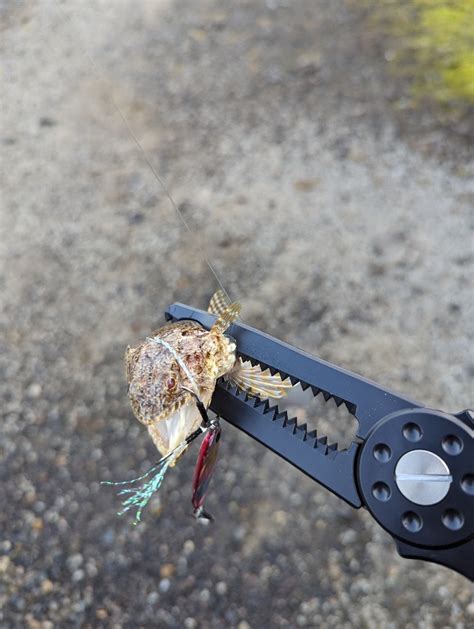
(140, 496)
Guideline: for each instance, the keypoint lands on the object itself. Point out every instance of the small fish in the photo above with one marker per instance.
(171, 378)
(180, 363)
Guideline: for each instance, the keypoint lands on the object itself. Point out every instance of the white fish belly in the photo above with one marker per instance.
(169, 433)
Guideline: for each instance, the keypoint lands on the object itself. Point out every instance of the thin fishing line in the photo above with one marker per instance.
(101, 76)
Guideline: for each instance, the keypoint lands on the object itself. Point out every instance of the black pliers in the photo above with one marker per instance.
(412, 467)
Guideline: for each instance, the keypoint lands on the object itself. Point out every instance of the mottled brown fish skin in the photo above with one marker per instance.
(155, 379)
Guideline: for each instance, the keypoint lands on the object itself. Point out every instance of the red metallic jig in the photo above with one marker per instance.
(204, 469)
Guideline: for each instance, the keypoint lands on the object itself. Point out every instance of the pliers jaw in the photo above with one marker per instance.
(372, 471)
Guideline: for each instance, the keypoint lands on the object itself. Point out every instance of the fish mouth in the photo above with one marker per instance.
(169, 432)
(184, 398)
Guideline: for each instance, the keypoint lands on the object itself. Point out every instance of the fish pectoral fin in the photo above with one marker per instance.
(227, 317)
(252, 379)
(219, 303)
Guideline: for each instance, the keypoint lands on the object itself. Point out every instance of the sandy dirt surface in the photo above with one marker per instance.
(275, 128)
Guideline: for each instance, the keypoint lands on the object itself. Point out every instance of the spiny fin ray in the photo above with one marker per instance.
(219, 303)
(257, 382)
(227, 317)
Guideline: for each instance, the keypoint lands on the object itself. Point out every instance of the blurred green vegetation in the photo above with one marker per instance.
(432, 43)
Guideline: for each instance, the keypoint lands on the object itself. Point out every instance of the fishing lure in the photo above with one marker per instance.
(204, 469)
(171, 378)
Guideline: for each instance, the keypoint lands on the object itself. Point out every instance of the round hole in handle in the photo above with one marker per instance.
(452, 445)
(467, 484)
(412, 521)
(453, 519)
(412, 432)
(382, 452)
(381, 491)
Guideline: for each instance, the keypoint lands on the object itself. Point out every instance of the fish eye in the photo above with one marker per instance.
(170, 383)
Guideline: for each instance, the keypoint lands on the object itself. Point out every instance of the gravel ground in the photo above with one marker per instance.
(274, 127)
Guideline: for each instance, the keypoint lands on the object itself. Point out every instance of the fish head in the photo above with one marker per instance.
(156, 384)
(167, 371)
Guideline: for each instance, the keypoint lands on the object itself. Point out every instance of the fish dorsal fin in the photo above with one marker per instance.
(228, 316)
(219, 303)
(257, 382)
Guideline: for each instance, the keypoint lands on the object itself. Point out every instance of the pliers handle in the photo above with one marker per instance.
(412, 467)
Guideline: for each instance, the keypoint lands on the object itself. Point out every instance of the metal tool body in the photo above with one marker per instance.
(412, 467)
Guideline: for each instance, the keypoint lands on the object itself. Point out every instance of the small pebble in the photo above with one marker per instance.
(4, 563)
(101, 613)
(47, 586)
(74, 561)
(167, 570)
(188, 547)
(348, 537)
(204, 596)
(152, 598)
(77, 575)
(34, 390)
(164, 585)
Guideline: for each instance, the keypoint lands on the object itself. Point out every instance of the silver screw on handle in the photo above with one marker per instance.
(423, 477)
